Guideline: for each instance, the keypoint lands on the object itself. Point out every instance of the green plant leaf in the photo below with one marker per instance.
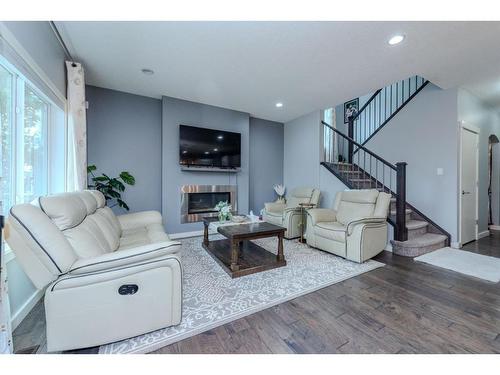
(123, 204)
(110, 187)
(117, 184)
(113, 193)
(127, 178)
(100, 178)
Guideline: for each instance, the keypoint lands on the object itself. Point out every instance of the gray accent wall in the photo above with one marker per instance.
(175, 113)
(266, 161)
(425, 135)
(124, 133)
(302, 151)
(302, 158)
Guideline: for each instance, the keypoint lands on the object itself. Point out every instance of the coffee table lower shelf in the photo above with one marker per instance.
(252, 257)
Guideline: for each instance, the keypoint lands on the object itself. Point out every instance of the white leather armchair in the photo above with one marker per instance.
(288, 214)
(106, 277)
(356, 227)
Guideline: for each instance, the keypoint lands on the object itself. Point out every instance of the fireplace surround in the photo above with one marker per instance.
(198, 201)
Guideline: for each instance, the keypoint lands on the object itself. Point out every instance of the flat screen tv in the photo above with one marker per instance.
(201, 147)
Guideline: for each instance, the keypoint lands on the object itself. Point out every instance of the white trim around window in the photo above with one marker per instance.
(6, 35)
(45, 170)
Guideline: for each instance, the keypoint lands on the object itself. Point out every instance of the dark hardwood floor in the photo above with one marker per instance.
(404, 307)
(486, 246)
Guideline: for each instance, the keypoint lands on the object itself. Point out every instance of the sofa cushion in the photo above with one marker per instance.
(109, 232)
(349, 211)
(331, 230)
(273, 218)
(99, 197)
(65, 210)
(88, 239)
(140, 236)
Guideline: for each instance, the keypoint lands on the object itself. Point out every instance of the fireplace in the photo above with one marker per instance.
(198, 201)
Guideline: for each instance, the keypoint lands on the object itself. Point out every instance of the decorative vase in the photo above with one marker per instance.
(222, 217)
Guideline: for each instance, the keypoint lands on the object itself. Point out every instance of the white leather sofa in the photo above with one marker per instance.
(356, 227)
(288, 214)
(107, 277)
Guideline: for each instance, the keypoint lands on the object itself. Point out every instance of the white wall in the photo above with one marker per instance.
(471, 110)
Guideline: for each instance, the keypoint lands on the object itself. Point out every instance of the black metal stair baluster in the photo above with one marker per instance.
(360, 183)
(385, 104)
(379, 97)
(402, 90)
(371, 172)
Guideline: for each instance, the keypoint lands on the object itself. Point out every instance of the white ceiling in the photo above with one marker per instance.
(249, 66)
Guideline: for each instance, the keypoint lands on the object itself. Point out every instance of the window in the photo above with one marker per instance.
(29, 157)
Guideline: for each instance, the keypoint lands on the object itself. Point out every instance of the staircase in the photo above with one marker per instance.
(381, 108)
(360, 168)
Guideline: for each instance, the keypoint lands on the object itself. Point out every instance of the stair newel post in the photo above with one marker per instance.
(401, 230)
(350, 134)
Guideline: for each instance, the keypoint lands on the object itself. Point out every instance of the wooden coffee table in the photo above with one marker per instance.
(237, 255)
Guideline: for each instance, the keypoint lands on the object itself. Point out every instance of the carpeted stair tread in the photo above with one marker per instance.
(407, 211)
(416, 224)
(424, 240)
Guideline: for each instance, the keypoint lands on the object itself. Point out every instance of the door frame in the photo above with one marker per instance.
(474, 129)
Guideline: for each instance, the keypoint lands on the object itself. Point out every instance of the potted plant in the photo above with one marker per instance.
(224, 209)
(111, 187)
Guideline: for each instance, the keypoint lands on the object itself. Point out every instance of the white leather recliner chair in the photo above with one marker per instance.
(288, 214)
(356, 227)
(107, 277)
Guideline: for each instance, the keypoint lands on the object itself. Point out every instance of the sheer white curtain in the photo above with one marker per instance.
(77, 128)
(5, 327)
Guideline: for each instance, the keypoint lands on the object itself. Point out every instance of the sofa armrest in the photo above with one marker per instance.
(275, 207)
(318, 215)
(124, 257)
(70, 280)
(368, 220)
(139, 219)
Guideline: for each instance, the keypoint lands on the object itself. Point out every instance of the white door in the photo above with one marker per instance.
(495, 184)
(469, 185)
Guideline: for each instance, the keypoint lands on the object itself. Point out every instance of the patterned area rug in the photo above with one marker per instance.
(212, 298)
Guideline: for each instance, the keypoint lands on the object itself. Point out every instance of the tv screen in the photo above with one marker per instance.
(203, 147)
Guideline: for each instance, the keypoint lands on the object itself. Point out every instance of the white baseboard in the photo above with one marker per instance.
(455, 245)
(486, 233)
(24, 310)
(494, 227)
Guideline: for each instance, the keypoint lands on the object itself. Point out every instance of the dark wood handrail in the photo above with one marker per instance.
(390, 165)
(366, 105)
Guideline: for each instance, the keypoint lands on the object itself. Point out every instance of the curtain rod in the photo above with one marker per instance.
(61, 42)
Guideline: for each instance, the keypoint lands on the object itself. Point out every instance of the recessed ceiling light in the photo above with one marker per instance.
(216, 149)
(279, 105)
(396, 39)
(206, 152)
(148, 72)
(184, 152)
(220, 137)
